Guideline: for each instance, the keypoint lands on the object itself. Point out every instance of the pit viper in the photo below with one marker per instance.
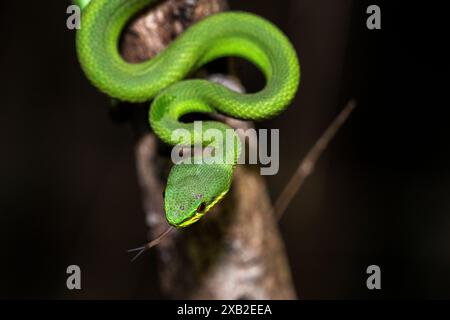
(192, 188)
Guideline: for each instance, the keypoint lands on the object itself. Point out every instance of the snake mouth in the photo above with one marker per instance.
(190, 220)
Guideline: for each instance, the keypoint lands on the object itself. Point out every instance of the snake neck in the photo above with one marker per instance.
(222, 144)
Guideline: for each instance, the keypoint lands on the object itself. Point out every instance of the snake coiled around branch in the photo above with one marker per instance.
(192, 188)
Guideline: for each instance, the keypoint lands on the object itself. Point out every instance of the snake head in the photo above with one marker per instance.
(193, 189)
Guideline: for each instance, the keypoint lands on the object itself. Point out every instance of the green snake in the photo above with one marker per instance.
(192, 188)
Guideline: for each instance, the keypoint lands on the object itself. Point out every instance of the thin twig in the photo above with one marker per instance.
(306, 167)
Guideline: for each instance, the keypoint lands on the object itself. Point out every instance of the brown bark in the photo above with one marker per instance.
(235, 251)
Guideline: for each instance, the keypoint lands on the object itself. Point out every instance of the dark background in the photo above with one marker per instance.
(380, 194)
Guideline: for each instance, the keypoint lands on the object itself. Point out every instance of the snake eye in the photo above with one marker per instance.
(201, 207)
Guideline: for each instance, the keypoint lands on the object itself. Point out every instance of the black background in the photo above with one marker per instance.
(380, 194)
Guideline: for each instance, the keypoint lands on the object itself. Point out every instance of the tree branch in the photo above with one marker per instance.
(306, 167)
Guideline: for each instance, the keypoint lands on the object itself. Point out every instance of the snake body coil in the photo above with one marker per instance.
(192, 189)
